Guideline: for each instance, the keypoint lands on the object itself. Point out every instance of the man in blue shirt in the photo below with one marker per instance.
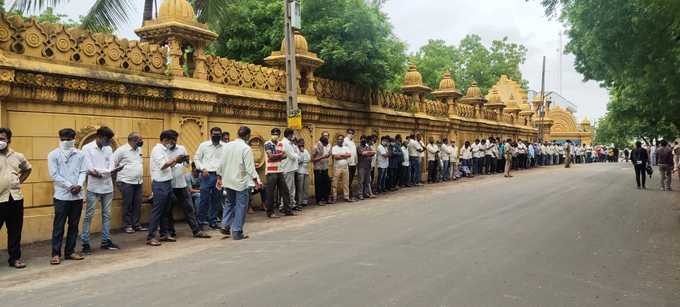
(68, 171)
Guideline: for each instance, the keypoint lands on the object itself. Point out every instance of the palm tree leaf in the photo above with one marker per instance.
(107, 14)
(31, 6)
(211, 11)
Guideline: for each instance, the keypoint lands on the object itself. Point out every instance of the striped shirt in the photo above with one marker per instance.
(271, 148)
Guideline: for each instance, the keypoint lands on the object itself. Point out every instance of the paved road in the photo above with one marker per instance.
(549, 237)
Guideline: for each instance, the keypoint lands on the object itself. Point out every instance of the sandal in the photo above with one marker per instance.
(18, 264)
(55, 260)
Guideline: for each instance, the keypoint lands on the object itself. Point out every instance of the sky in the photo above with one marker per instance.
(415, 22)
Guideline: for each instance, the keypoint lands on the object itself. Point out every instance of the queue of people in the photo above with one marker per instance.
(218, 191)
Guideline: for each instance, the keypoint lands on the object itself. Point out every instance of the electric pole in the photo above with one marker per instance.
(541, 109)
(291, 19)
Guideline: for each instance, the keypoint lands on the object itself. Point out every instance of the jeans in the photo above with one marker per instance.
(235, 213)
(66, 211)
(162, 196)
(132, 203)
(446, 173)
(276, 181)
(105, 200)
(182, 199)
(322, 185)
(289, 178)
(210, 199)
(382, 180)
(475, 166)
(666, 172)
(415, 169)
(12, 215)
(364, 182)
(301, 186)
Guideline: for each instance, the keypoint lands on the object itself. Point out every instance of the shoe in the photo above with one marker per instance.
(320, 204)
(371, 196)
(274, 216)
(153, 242)
(109, 246)
(225, 231)
(331, 202)
(360, 198)
(289, 213)
(201, 235)
(129, 230)
(86, 249)
(18, 264)
(214, 226)
(238, 235)
(297, 208)
(168, 239)
(55, 260)
(74, 256)
(141, 228)
(349, 200)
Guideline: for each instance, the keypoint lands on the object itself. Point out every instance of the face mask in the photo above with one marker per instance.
(170, 146)
(363, 143)
(324, 141)
(216, 139)
(67, 145)
(3, 145)
(140, 143)
(339, 143)
(274, 138)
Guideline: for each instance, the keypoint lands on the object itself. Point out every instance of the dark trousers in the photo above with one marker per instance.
(12, 215)
(392, 174)
(476, 166)
(276, 181)
(640, 174)
(322, 185)
(500, 165)
(66, 211)
(132, 203)
(352, 172)
(162, 197)
(405, 178)
(414, 163)
(432, 171)
(182, 199)
(382, 179)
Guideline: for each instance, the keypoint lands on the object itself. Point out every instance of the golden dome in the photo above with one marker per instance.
(494, 98)
(447, 82)
(413, 77)
(301, 45)
(473, 91)
(176, 9)
(585, 121)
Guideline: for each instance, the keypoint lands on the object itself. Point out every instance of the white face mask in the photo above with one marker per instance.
(3, 145)
(67, 145)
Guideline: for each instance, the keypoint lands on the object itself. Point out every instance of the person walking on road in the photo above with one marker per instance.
(640, 159)
(664, 158)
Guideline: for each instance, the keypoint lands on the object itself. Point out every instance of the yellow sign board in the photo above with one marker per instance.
(295, 121)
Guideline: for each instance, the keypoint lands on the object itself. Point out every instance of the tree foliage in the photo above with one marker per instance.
(632, 47)
(470, 61)
(354, 38)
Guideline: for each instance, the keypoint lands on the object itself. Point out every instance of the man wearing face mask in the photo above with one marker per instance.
(352, 161)
(274, 172)
(68, 171)
(14, 170)
(320, 158)
(206, 161)
(341, 155)
(100, 170)
(365, 156)
(290, 164)
(161, 166)
(129, 179)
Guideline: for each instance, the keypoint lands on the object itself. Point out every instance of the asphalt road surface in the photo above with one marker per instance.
(548, 237)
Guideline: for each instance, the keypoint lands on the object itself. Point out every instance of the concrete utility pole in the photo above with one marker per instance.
(293, 112)
(541, 110)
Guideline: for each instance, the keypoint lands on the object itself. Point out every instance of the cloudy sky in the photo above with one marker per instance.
(417, 21)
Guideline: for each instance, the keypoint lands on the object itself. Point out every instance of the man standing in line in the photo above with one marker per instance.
(320, 158)
(454, 160)
(352, 161)
(414, 150)
(14, 170)
(676, 158)
(395, 163)
(405, 172)
(568, 154)
(290, 164)
(129, 179)
(476, 157)
(383, 163)
(181, 197)
(446, 160)
(432, 152)
(365, 154)
(341, 155)
(509, 151)
(488, 156)
(421, 155)
(237, 174)
(100, 169)
(161, 166)
(664, 158)
(68, 171)
(302, 174)
(206, 158)
(275, 154)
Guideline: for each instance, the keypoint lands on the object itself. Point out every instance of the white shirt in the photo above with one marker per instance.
(237, 166)
(454, 153)
(290, 163)
(476, 150)
(488, 149)
(432, 151)
(352, 150)
(446, 152)
(208, 156)
(383, 159)
(303, 163)
(340, 150)
(160, 156)
(413, 148)
(66, 170)
(404, 152)
(132, 162)
(178, 179)
(466, 153)
(422, 145)
(100, 160)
